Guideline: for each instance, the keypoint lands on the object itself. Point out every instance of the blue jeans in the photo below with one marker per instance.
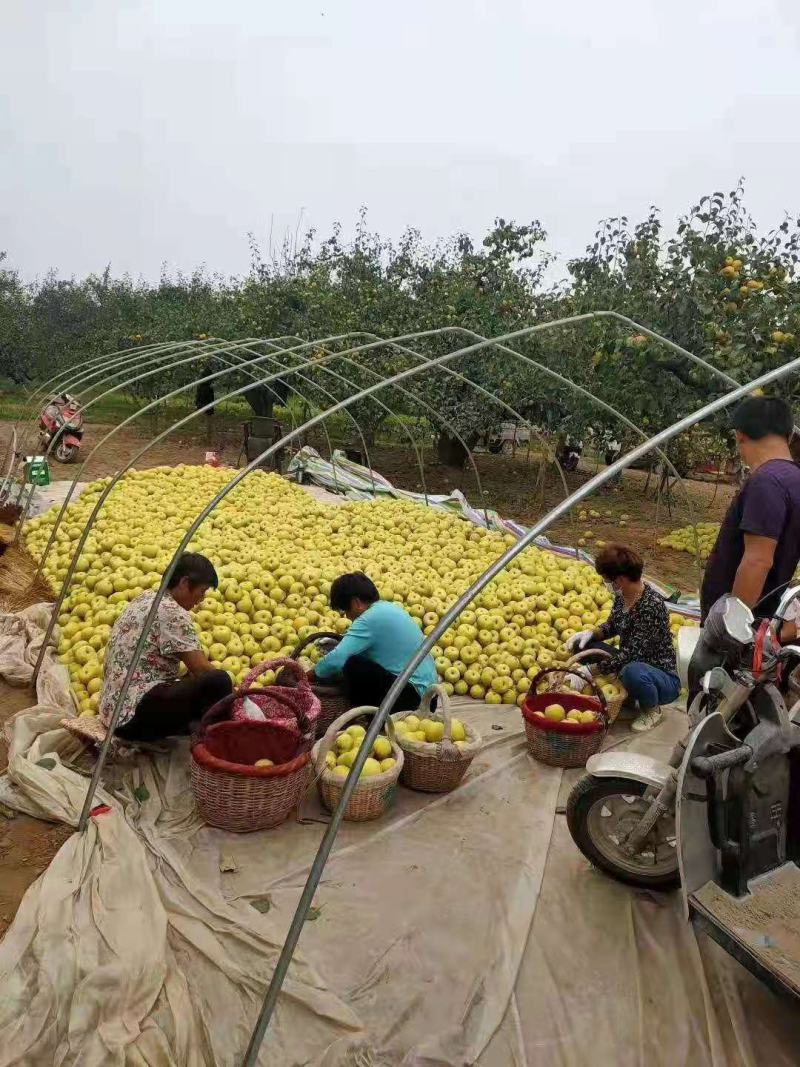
(649, 686)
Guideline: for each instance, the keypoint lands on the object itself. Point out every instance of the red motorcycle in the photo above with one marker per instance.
(61, 421)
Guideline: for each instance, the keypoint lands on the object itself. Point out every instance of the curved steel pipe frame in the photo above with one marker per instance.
(453, 613)
(160, 359)
(437, 361)
(368, 391)
(60, 382)
(232, 368)
(612, 411)
(478, 388)
(65, 503)
(257, 383)
(379, 341)
(66, 381)
(315, 385)
(447, 620)
(283, 372)
(556, 377)
(227, 348)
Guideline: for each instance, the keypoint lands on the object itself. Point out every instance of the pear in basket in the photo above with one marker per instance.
(457, 731)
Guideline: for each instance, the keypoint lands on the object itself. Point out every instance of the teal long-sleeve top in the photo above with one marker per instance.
(387, 635)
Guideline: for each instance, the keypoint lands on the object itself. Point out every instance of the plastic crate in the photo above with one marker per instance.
(37, 470)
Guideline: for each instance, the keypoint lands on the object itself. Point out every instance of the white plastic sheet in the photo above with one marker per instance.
(459, 929)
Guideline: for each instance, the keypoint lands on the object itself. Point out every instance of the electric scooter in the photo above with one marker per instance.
(61, 421)
(722, 818)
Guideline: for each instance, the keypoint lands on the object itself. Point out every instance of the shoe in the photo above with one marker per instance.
(647, 720)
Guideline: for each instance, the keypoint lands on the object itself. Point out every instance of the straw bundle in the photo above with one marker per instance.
(18, 589)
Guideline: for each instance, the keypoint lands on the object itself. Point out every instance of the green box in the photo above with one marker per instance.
(37, 470)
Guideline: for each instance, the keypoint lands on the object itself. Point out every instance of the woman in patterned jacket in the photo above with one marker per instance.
(158, 703)
(645, 659)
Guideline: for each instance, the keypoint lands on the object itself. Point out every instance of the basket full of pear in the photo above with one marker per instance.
(438, 747)
(334, 755)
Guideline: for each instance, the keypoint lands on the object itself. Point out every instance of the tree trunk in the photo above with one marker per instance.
(450, 451)
(262, 400)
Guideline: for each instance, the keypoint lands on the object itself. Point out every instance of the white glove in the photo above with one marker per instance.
(578, 679)
(579, 641)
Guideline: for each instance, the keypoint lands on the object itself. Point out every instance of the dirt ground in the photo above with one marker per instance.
(511, 486)
(26, 845)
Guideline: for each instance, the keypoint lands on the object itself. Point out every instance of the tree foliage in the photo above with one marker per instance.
(716, 286)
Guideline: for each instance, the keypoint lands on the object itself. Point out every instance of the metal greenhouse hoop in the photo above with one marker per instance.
(233, 368)
(284, 371)
(65, 503)
(229, 347)
(230, 368)
(564, 381)
(454, 611)
(289, 371)
(103, 368)
(240, 475)
(66, 383)
(159, 359)
(318, 864)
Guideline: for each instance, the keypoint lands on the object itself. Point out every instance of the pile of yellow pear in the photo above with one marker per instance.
(691, 538)
(277, 550)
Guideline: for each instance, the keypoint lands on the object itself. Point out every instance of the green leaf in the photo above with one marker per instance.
(48, 763)
(314, 913)
(262, 904)
(142, 793)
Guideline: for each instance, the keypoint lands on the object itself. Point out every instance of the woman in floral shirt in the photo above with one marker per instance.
(157, 704)
(645, 660)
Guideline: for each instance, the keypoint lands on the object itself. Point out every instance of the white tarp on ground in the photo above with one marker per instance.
(459, 929)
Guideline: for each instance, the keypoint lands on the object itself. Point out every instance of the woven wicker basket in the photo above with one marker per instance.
(436, 767)
(334, 702)
(372, 796)
(230, 792)
(561, 744)
(232, 801)
(597, 655)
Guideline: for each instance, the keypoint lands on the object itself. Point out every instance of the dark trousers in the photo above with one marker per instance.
(171, 709)
(366, 682)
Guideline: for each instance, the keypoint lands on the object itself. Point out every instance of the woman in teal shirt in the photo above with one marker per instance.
(380, 642)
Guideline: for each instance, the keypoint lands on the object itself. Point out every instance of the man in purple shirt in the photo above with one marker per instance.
(758, 545)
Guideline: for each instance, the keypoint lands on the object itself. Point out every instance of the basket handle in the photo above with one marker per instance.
(598, 692)
(283, 662)
(442, 708)
(588, 653)
(216, 713)
(311, 639)
(328, 738)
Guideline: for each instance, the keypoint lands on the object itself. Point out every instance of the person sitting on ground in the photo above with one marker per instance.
(381, 641)
(645, 660)
(157, 703)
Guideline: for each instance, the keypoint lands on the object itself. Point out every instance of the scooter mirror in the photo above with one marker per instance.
(738, 620)
(789, 596)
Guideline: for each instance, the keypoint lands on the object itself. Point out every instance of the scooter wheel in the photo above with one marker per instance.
(600, 811)
(66, 453)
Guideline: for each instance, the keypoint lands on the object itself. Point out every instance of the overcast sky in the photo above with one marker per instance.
(137, 132)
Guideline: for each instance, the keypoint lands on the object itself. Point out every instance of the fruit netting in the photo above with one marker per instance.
(459, 929)
(357, 482)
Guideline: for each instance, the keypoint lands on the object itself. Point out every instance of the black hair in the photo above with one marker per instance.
(761, 416)
(196, 569)
(619, 561)
(349, 587)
